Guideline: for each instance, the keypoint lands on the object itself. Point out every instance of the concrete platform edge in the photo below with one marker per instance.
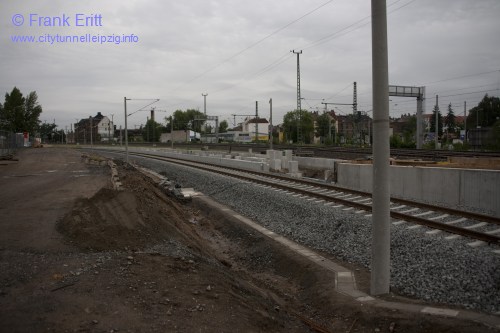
(344, 278)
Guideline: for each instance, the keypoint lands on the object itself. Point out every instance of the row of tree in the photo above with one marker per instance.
(190, 119)
(20, 114)
(485, 114)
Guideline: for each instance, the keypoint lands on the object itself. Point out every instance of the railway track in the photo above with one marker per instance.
(483, 229)
(350, 152)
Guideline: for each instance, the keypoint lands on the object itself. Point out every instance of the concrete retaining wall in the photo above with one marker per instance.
(471, 189)
(212, 159)
(315, 163)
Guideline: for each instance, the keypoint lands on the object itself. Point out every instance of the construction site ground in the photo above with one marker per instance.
(78, 256)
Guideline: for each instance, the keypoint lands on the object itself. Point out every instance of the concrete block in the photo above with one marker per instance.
(287, 157)
(275, 165)
(255, 159)
(293, 166)
(274, 154)
(316, 163)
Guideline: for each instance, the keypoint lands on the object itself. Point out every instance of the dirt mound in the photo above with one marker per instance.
(132, 218)
(160, 266)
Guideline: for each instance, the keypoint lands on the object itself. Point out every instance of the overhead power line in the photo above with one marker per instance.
(286, 57)
(356, 25)
(263, 70)
(459, 77)
(254, 44)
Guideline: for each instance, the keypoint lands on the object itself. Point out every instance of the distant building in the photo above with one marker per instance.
(244, 133)
(180, 136)
(99, 128)
(261, 125)
(332, 130)
(354, 128)
(398, 126)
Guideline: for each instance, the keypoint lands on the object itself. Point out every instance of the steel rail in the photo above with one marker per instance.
(446, 210)
(488, 238)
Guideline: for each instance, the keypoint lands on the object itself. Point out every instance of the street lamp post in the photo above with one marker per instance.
(125, 99)
(77, 131)
(91, 143)
(271, 123)
(112, 125)
(172, 131)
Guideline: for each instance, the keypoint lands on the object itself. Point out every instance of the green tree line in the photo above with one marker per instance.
(20, 114)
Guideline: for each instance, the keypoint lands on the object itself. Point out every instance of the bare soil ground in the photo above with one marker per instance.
(77, 256)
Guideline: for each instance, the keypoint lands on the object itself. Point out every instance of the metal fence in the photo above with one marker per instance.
(10, 142)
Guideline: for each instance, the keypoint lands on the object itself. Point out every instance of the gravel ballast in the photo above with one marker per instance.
(423, 266)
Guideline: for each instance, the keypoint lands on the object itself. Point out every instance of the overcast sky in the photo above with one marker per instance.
(238, 52)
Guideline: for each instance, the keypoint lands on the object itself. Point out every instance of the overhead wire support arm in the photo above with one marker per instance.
(337, 103)
(240, 115)
(141, 109)
(125, 99)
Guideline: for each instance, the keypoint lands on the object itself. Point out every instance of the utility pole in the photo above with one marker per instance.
(204, 103)
(126, 131)
(271, 123)
(381, 220)
(436, 129)
(204, 111)
(256, 121)
(113, 127)
(465, 121)
(152, 125)
(420, 111)
(217, 129)
(299, 108)
(355, 98)
(172, 131)
(77, 131)
(355, 114)
(125, 99)
(91, 134)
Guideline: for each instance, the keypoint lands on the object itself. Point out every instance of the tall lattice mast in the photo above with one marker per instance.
(299, 108)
